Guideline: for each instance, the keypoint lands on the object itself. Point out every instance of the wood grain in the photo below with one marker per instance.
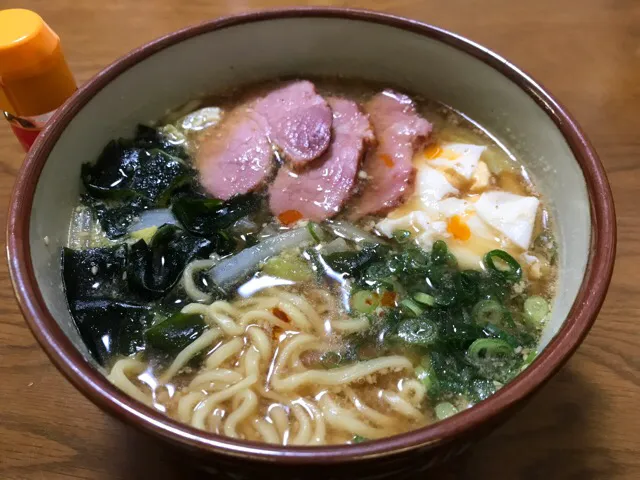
(583, 425)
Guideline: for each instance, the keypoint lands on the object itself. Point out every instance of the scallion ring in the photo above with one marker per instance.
(424, 298)
(484, 348)
(445, 410)
(506, 265)
(411, 307)
(536, 309)
(418, 331)
(364, 301)
(488, 312)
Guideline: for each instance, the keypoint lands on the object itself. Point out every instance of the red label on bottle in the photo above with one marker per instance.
(26, 136)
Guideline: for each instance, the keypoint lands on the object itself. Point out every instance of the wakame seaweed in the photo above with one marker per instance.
(132, 175)
(115, 292)
(115, 219)
(151, 138)
(109, 288)
(110, 318)
(353, 262)
(154, 268)
(207, 216)
(94, 273)
(462, 307)
(112, 327)
(123, 172)
(176, 332)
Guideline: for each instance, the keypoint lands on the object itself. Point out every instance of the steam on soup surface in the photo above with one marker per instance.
(310, 264)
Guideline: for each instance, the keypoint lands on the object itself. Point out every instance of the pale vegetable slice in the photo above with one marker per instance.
(351, 232)
(200, 119)
(232, 269)
(153, 218)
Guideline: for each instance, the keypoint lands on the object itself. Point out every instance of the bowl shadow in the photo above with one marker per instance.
(550, 438)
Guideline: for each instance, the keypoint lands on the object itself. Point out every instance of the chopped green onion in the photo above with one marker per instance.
(497, 332)
(412, 307)
(439, 252)
(288, 266)
(359, 439)
(445, 410)
(425, 299)
(418, 331)
(488, 312)
(506, 265)
(145, 234)
(425, 362)
(531, 357)
(536, 309)
(489, 348)
(176, 332)
(424, 376)
(364, 301)
(402, 236)
(311, 226)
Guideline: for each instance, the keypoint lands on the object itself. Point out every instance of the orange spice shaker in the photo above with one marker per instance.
(34, 76)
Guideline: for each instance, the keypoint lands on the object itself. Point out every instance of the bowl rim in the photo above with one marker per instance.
(94, 385)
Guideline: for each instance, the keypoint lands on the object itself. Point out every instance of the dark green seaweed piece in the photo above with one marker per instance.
(122, 172)
(131, 176)
(208, 216)
(111, 175)
(154, 268)
(150, 138)
(110, 327)
(176, 332)
(116, 219)
(352, 263)
(109, 317)
(94, 273)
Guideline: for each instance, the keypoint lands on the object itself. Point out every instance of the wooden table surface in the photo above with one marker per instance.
(584, 425)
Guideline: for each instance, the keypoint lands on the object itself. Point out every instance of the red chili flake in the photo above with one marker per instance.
(388, 299)
(280, 314)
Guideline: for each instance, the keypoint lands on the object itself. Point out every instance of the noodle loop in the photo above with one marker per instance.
(255, 382)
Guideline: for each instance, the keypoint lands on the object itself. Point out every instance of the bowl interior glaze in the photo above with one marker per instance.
(229, 53)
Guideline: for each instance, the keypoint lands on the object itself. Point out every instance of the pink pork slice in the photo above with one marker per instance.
(390, 172)
(326, 184)
(237, 158)
(299, 121)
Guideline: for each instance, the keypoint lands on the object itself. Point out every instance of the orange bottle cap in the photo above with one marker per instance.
(26, 42)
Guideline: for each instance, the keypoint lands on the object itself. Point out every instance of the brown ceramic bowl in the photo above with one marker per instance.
(304, 42)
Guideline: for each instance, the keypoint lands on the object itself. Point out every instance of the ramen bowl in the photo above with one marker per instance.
(244, 49)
